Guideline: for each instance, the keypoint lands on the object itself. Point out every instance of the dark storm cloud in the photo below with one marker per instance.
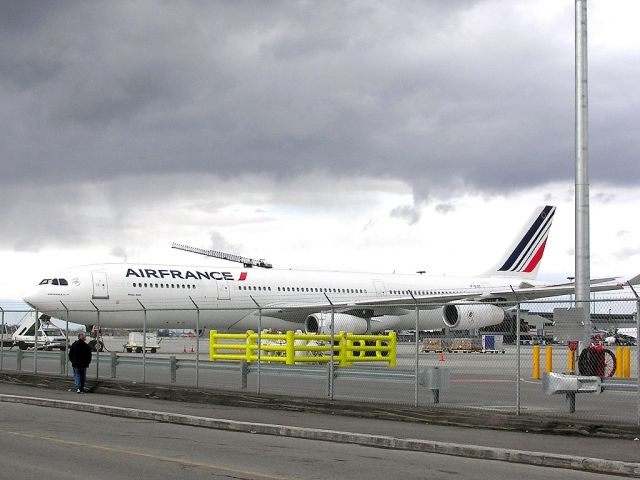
(447, 96)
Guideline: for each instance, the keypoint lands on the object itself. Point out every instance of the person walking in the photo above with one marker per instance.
(80, 357)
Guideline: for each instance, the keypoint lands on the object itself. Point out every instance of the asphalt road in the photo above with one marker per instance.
(39, 442)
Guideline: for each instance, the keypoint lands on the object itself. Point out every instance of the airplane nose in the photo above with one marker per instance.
(30, 297)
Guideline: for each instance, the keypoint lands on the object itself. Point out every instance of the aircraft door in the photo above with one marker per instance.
(378, 285)
(223, 290)
(100, 286)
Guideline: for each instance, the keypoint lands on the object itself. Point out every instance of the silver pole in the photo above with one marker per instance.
(518, 363)
(35, 344)
(582, 248)
(3, 339)
(144, 343)
(66, 340)
(96, 340)
(637, 347)
(415, 400)
(259, 342)
(197, 341)
(333, 342)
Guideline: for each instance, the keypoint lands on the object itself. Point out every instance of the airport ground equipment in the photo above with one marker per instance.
(136, 343)
(50, 336)
(483, 344)
(247, 262)
(292, 347)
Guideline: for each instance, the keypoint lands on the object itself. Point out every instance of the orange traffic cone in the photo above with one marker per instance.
(184, 349)
(442, 356)
(192, 350)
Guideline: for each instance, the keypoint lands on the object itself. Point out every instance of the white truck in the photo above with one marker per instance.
(136, 343)
(6, 339)
(50, 336)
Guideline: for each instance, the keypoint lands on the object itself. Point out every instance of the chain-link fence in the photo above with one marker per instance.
(531, 362)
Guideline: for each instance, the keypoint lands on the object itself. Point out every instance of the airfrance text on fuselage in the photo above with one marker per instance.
(160, 274)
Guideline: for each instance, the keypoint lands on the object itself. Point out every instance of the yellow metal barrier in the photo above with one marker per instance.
(571, 361)
(548, 356)
(626, 362)
(536, 362)
(619, 362)
(291, 347)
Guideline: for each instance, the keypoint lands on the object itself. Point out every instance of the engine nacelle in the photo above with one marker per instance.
(321, 323)
(465, 316)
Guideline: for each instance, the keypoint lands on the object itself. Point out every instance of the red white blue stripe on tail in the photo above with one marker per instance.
(524, 255)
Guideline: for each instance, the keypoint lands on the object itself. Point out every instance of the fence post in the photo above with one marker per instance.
(3, 339)
(518, 366)
(97, 341)
(35, 344)
(637, 348)
(259, 342)
(417, 366)
(66, 338)
(197, 342)
(114, 363)
(331, 353)
(173, 368)
(144, 342)
(19, 354)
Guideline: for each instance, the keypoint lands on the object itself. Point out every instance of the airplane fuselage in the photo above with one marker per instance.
(234, 299)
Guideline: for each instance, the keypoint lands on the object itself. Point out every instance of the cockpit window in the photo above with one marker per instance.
(45, 281)
(63, 281)
(54, 281)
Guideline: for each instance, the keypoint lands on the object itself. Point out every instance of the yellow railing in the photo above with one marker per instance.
(291, 347)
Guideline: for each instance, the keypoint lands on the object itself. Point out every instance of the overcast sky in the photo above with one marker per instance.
(375, 136)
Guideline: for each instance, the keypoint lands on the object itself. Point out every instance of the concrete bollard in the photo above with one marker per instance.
(114, 363)
(173, 368)
(63, 362)
(19, 355)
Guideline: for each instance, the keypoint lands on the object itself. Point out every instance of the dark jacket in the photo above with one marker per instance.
(80, 354)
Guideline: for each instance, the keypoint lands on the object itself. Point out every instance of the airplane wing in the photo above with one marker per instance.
(297, 311)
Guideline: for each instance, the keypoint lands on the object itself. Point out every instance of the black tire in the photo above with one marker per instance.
(601, 363)
(129, 350)
(153, 350)
(609, 363)
(22, 346)
(139, 350)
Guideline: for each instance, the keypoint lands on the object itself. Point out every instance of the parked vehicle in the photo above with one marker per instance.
(50, 336)
(136, 343)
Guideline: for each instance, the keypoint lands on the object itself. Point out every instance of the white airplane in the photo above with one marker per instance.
(233, 299)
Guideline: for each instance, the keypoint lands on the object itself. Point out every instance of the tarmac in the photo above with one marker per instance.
(527, 439)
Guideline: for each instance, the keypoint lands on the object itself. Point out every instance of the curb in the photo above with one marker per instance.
(594, 465)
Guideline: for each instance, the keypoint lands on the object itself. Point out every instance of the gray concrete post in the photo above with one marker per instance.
(114, 363)
(19, 355)
(197, 342)
(63, 362)
(244, 373)
(173, 368)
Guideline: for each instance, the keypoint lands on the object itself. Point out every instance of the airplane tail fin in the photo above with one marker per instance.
(522, 259)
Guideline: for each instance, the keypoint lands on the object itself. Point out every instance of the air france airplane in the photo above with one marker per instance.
(236, 299)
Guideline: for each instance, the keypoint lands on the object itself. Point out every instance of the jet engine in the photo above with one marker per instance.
(342, 322)
(469, 316)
